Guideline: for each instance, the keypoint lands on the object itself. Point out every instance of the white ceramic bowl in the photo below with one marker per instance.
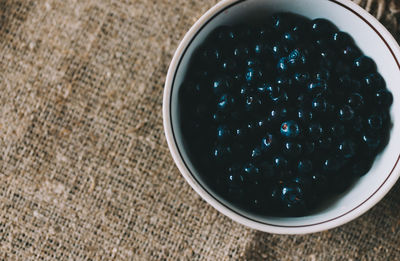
(370, 36)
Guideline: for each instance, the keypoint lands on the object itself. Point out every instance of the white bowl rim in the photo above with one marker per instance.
(357, 211)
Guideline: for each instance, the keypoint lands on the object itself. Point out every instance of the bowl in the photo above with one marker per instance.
(372, 38)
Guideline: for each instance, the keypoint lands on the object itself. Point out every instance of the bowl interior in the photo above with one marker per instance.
(366, 38)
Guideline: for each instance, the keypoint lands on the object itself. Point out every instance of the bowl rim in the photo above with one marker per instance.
(207, 195)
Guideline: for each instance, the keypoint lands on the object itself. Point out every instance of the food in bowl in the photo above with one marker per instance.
(282, 114)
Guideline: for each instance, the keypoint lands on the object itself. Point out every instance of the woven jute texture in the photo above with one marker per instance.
(85, 171)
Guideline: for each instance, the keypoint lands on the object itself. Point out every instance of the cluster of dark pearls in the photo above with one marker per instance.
(280, 116)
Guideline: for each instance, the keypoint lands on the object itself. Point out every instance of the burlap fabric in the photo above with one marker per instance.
(85, 172)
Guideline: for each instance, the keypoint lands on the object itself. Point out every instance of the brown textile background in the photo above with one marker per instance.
(85, 172)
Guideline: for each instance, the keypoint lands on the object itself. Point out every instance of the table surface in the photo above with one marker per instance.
(85, 171)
